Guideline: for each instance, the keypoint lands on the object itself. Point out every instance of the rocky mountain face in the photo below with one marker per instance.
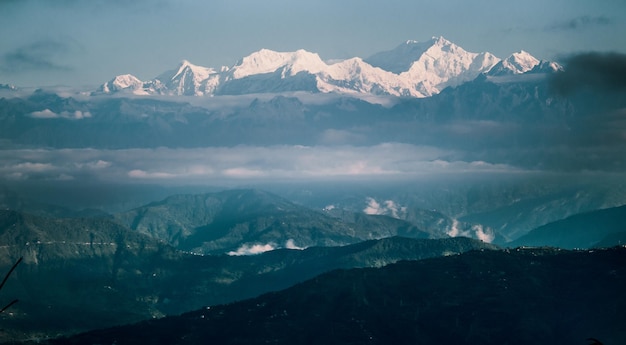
(480, 297)
(413, 69)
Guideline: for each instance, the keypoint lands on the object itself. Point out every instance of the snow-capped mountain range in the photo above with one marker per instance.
(413, 69)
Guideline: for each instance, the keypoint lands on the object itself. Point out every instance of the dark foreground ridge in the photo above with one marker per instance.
(518, 296)
(85, 274)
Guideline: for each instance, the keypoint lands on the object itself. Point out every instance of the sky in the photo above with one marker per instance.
(84, 43)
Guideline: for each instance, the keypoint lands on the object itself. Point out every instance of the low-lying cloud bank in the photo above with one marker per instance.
(241, 163)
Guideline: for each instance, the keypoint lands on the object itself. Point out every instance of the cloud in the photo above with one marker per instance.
(388, 207)
(215, 165)
(41, 55)
(141, 174)
(290, 244)
(49, 114)
(484, 234)
(252, 249)
(44, 114)
(595, 71)
(599, 149)
(477, 231)
(250, 163)
(580, 23)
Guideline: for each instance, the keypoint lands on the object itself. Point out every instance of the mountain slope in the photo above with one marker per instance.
(81, 274)
(481, 297)
(238, 219)
(578, 231)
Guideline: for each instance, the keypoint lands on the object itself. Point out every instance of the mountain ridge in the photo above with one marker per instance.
(412, 69)
(241, 221)
(79, 273)
(558, 296)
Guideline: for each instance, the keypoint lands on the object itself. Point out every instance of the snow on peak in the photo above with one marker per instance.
(187, 79)
(356, 75)
(440, 40)
(186, 67)
(434, 64)
(414, 69)
(122, 82)
(268, 61)
(445, 64)
(401, 58)
(126, 80)
(546, 67)
(523, 61)
(518, 63)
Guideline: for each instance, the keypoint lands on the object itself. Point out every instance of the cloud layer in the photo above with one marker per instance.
(241, 163)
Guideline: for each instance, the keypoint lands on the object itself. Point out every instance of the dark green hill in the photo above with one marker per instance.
(583, 230)
(527, 296)
(217, 223)
(81, 274)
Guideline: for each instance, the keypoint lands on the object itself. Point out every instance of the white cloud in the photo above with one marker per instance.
(99, 164)
(485, 235)
(141, 174)
(49, 114)
(248, 249)
(34, 167)
(290, 244)
(455, 231)
(44, 114)
(254, 249)
(388, 208)
(373, 207)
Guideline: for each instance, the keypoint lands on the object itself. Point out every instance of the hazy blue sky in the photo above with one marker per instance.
(87, 42)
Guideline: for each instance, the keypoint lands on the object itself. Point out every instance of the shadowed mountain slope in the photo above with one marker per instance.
(522, 296)
(579, 231)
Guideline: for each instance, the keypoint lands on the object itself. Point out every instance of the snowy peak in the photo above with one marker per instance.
(445, 64)
(269, 61)
(412, 69)
(518, 63)
(355, 75)
(401, 58)
(127, 82)
(187, 79)
(186, 67)
(546, 67)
